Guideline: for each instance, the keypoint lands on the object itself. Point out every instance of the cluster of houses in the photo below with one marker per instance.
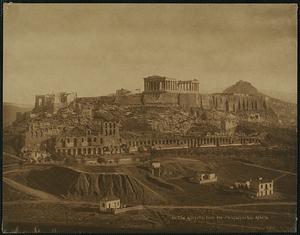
(257, 188)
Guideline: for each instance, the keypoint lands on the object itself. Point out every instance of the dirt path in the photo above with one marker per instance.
(30, 191)
(262, 204)
(145, 207)
(219, 207)
(279, 177)
(268, 168)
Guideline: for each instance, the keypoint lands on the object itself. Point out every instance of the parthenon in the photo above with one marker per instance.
(163, 84)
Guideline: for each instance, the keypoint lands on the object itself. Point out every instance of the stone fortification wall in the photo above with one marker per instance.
(160, 99)
(106, 100)
(135, 99)
(189, 100)
(221, 102)
(238, 102)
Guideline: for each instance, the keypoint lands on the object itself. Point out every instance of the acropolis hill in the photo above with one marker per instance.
(163, 91)
(167, 111)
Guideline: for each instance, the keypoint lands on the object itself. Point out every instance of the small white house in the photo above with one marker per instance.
(204, 178)
(155, 165)
(155, 169)
(257, 188)
(109, 204)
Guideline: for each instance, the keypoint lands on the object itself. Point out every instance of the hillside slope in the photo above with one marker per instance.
(71, 184)
(286, 112)
(10, 110)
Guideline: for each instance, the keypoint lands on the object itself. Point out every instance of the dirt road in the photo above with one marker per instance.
(268, 168)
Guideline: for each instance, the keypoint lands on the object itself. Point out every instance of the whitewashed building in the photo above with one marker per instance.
(109, 204)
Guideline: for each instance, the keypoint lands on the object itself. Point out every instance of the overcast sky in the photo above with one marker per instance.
(95, 49)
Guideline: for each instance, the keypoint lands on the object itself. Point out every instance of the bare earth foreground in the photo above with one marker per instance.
(65, 198)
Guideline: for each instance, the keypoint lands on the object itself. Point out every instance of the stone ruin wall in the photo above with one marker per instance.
(54, 102)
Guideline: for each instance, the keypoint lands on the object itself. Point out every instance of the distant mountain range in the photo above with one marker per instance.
(10, 110)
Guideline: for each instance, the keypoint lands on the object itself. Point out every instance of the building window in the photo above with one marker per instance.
(95, 139)
(75, 142)
(82, 139)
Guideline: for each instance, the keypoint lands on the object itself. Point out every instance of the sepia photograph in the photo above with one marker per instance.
(140, 118)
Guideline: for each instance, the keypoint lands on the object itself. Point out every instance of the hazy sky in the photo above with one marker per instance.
(95, 49)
